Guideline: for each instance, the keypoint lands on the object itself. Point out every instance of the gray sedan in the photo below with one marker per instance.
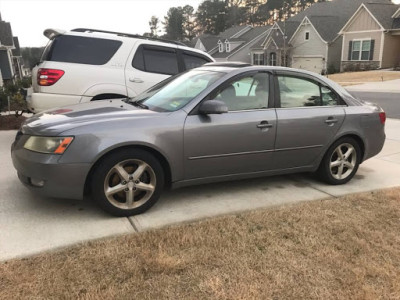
(223, 121)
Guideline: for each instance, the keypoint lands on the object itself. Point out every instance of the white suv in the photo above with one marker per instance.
(85, 64)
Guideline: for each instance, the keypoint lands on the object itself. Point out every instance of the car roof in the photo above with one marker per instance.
(124, 37)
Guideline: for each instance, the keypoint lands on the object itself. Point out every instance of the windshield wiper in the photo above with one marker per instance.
(138, 104)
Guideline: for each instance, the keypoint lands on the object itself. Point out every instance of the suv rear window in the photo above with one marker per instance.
(81, 50)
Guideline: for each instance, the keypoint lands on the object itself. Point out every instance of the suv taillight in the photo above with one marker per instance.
(382, 117)
(47, 77)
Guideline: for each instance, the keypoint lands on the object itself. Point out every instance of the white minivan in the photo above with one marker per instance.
(84, 65)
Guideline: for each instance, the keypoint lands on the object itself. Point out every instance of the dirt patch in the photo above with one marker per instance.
(352, 78)
(346, 248)
(9, 122)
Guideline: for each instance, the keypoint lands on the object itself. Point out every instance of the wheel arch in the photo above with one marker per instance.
(352, 135)
(160, 157)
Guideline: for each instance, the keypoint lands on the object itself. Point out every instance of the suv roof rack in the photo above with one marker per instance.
(138, 36)
(228, 64)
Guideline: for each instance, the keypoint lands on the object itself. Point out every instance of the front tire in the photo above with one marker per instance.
(127, 182)
(340, 162)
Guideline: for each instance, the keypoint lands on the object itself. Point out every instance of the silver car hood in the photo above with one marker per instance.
(53, 122)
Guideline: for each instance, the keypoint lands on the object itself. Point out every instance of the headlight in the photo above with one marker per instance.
(52, 145)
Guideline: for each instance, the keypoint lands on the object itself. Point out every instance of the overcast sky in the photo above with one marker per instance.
(29, 18)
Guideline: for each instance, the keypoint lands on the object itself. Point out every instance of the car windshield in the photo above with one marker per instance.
(175, 92)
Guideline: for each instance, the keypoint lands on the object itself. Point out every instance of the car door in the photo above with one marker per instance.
(149, 65)
(309, 114)
(239, 141)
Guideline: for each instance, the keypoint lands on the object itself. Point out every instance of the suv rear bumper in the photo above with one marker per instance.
(39, 102)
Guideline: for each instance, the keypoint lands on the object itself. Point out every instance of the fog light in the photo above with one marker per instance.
(37, 182)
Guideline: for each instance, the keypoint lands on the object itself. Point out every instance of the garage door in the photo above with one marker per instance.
(313, 64)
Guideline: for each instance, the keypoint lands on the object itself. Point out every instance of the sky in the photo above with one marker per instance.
(29, 18)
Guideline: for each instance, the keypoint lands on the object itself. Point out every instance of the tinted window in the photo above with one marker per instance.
(192, 62)
(247, 93)
(82, 50)
(298, 92)
(156, 60)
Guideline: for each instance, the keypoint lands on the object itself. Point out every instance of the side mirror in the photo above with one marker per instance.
(212, 107)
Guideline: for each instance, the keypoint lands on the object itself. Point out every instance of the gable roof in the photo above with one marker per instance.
(17, 50)
(383, 13)
(233, 31)
(209, 41)
(244, 39)
(6, 38)
(329, 17)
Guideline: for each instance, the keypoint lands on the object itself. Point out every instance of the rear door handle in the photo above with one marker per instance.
(264, 124)
(137, 80)
(331, 120)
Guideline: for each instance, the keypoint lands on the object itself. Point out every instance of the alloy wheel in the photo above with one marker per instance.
(130, 184)
(343, 161)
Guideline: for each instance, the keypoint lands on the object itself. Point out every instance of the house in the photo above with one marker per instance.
(17, 58)
(273, 49)
(10, 54)
(371, 37)
(6, 46)
(233, 44)
(316, 45)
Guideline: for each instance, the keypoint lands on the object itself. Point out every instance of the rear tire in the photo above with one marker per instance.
(127, 182)
(340, 162)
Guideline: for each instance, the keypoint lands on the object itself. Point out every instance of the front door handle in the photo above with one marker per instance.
(264, 124)
(331, 121)
(137, 80)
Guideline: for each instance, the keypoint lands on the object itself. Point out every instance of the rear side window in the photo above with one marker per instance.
(192, 61)
(303, 92)
(81, 50)
(156, 60)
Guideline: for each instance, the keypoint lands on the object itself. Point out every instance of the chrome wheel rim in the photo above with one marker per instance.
(130, 184)
(343, 161)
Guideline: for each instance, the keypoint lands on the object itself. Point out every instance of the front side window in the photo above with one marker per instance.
(258, 59)
(176, 92)
(307, 36)
(247, 93)
(81, 50)
(303, 92)
(156, 60)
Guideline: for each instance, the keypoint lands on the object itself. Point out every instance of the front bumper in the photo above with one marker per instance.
(59, 180)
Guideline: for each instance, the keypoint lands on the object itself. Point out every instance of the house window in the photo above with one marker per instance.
(272, 59)
(258, 59)
(228, 47)
(361, 50)
(307, 35)
(220, 47)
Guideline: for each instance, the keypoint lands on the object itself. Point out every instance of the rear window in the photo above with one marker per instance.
(161, 60)
(81, 50)
(192, 61)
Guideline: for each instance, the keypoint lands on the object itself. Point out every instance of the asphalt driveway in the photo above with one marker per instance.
(30, 224)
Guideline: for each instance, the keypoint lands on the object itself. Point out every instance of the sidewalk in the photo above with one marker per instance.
(30, 224)
(390, 86)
